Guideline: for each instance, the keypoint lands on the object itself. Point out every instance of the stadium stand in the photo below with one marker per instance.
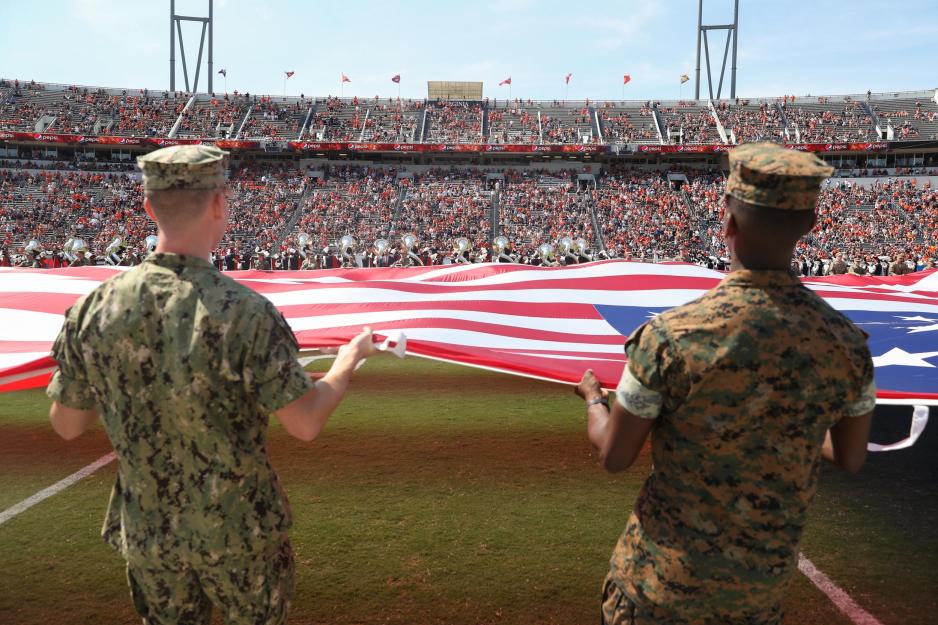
(217, 117)
(394, 121)
(622, 123)
(868, 210)
(275, 118)
(641, 214)
(688, 122)
(453, 122)
(562, 123)
(747, 121)
(514, 122)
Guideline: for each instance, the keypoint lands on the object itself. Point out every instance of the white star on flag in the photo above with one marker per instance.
(902, 358)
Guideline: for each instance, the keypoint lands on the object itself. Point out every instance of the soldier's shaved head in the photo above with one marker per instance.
(176, 210)
(761, 237)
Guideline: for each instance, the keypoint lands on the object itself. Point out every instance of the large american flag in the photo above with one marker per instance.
(548, 323)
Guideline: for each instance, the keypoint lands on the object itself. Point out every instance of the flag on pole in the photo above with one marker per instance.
(289, 74)
(626, 79)
(684, 78)
(396, 78)
(567, 79)
(223, 72)
(550, 323)
(507, 81)
(346, 78)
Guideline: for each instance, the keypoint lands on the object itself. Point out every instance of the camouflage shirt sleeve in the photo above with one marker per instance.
(643, 387)
(866, 399)
(69, 385)
(272, 374)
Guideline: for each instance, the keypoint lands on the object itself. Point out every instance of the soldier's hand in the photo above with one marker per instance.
(362, 346)
(589, 388)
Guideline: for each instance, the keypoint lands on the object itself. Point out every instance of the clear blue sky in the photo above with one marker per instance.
(785, 47)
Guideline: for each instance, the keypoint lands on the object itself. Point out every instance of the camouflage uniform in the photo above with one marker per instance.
(184, 365)
(899, 268)
(744, 383)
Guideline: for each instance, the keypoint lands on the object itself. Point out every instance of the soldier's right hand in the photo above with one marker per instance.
(360, 347)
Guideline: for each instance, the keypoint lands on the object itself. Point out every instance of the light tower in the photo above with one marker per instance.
(731, 33)
(175, 26)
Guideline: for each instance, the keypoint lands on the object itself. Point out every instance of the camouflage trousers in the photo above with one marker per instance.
(254, 590)
(619, 609)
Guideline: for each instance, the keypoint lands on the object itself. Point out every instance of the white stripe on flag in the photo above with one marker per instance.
(547, 324)
(657, 298)
(469, 338)
(28, 325)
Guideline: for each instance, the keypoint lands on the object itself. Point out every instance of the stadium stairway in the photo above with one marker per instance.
(496, 197)
(659, 124)
(599, 243)
(594, 121)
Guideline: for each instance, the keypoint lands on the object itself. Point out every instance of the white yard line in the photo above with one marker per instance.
(835, 593)
(56, 488)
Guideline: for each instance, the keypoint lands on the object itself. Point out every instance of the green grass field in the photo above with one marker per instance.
(443, 494)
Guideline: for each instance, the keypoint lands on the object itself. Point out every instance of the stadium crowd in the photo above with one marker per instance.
(641, 215)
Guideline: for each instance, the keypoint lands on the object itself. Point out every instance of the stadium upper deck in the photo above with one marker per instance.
(74, 114)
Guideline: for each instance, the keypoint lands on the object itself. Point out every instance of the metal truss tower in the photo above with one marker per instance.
(731, 34)
(175, 26)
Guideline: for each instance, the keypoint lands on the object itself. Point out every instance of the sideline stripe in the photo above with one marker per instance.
(835, 593)
(56, 488)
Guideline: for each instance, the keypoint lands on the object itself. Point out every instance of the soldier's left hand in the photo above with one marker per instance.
(589, 387)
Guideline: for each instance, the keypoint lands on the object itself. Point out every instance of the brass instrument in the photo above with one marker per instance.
(347, 247)
(112, 254)
(302, 239)
(501, 244)
(461, 247)
(546, 253)
(408, 243)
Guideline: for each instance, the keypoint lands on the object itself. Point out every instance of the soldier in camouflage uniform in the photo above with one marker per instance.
(900, 267)
(184, 367)
(746, 389)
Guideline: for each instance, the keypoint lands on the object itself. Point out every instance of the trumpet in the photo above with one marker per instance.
(151, 242)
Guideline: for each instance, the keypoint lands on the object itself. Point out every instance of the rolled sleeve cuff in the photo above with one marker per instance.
(636, 398)
(865, 404)
(69, 392)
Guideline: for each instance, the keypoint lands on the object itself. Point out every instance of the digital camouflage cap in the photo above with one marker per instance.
(184, 167)
(767, 174)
